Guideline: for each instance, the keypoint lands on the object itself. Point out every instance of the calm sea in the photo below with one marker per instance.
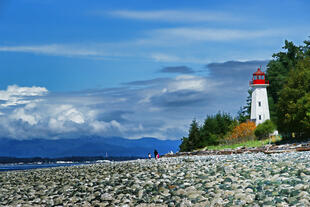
(9, 167)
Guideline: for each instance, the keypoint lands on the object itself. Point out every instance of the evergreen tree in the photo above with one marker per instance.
(216, 127)
(184, 145)
(294, 102)
(278, 71)
(244, 112)
(194, 135)
(192, 141)
(207, 131)
(241, 115)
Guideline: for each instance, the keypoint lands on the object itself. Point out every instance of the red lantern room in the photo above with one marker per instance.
(259, 78)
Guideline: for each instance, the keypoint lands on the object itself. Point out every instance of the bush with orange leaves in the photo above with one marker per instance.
(242, 132)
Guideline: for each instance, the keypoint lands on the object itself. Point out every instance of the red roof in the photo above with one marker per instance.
(259, 78)
(259, 72)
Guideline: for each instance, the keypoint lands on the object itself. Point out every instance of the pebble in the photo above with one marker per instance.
(213, 180)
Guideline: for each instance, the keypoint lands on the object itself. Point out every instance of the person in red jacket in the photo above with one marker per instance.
(156, 155)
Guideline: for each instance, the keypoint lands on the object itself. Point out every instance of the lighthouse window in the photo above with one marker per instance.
(259, 103)
(260, 117)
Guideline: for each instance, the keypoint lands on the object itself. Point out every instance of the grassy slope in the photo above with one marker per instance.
(251, 143)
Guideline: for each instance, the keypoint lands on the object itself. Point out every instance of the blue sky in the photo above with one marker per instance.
(133, 68)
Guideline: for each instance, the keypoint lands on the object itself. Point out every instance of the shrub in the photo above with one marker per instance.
(242, 132)
(264, 129)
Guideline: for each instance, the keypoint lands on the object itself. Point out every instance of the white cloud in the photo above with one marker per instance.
(20, 114)
(179, 83)
(211, 34)
(175, 15)
(26, 113)
(160, 109)
(187, 82)
(63, 118)
(68, 113)
(54, 49)
(102, 126)
(15, 95)
(172, 44)
(15, 90)
(160, 57)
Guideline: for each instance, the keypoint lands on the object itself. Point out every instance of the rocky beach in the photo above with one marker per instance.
(255, 179)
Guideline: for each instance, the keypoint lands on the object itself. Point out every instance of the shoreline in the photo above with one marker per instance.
(227, 180)
(267, 149)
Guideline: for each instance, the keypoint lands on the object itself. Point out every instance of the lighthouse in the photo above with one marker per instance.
(259, 104)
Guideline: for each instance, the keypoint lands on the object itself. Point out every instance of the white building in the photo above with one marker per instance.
(259, 105)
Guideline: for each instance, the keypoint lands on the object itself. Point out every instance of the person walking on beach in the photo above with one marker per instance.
(156, 154)
(149, 155)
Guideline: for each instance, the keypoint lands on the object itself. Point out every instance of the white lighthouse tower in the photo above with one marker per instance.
(259, 104)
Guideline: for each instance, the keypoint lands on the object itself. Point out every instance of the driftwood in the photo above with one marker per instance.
(268, 149)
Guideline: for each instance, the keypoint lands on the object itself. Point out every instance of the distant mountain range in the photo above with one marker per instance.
(88, 146)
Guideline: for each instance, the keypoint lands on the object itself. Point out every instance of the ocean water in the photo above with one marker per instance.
(23, 166)
(29, 166)
(10, 167)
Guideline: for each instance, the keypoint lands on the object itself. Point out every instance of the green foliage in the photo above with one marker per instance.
(184, 145)
(189, 143)
(194, 135)
(278, 71)
(244, 112)
(279, 68)
(272, 110)
(213, 130)
(216, 127)
(288, 93)
(294, 103)
(241, 115)
(264, 129)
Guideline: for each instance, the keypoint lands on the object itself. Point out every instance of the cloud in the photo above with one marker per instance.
(162, 107)
(148, 82)
(20, 114)
(118, 115)
(177, 69)
(15, 95)
(235, 70)
(174, 15)
(98, 112)
(170, 45)
(160, 57)
(187, 82)
(53, 49)
(203, 34)
(103, 51)
(183, 98)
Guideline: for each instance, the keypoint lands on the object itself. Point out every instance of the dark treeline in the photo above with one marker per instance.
(9, 160)
(214, 128)
(289, 90)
